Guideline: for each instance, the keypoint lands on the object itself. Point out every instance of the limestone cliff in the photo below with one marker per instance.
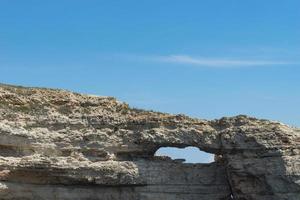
(59, 145)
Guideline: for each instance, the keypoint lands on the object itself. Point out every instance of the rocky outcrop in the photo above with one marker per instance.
(56, 144)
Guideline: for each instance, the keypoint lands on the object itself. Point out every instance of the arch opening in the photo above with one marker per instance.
(186, 155)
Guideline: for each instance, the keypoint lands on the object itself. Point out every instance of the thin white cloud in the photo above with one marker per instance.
(202, 61)
(216, 62)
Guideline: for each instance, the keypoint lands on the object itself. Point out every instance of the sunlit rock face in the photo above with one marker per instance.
(55, 145)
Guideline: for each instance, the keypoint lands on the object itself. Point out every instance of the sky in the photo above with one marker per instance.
(206, 59)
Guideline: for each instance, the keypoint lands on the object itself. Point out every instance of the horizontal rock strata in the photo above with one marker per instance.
(56, 144)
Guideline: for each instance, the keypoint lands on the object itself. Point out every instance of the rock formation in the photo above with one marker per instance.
(59, 145)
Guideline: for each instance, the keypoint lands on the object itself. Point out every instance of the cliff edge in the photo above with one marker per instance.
(59, 145)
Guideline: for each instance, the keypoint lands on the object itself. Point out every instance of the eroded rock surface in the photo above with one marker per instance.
(55, 144)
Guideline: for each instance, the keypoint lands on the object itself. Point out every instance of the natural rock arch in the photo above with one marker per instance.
(56, 144)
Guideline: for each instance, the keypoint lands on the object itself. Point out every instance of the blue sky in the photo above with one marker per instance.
(206, 59)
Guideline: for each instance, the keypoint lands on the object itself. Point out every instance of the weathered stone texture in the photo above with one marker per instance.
(55, 144)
